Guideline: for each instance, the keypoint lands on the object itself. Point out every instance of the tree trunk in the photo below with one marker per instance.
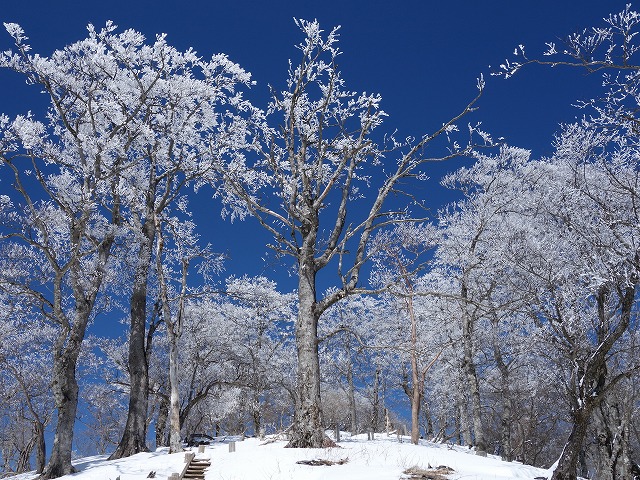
(65, 393)
(41, 447)
(174, 331)
(416, 384)
(471, 377)
(505, 398)
(375, 414)
(307, 429)
(568, 463)
(352, 397)
(134, 438)
(590, 378)
(161, 423)
(65, 386)
(415, 414)
(465, 428)
(175, 443)
(612, 447)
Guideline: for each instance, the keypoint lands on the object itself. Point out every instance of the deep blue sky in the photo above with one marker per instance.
(423, 57)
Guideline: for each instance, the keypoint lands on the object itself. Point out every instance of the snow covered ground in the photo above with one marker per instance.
(385, 458)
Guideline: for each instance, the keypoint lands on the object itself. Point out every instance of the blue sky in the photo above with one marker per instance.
(423, 57)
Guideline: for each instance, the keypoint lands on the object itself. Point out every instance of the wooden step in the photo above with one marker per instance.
(195, 469)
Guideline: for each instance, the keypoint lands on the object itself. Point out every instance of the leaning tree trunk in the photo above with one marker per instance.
(590, 380)
(307, 429)
(568, 463)
(38, 439)
(23, 464)
(64, 384)
(134, 438)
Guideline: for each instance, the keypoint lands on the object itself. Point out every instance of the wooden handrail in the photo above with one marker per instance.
(188, 458)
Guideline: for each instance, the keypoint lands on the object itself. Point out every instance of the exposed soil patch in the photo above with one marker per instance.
(419, 473)
(322, 462)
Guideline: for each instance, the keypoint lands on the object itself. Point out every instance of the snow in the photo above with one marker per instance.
(384, 458)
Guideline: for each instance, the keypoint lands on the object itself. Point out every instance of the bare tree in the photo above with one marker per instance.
(320, 186)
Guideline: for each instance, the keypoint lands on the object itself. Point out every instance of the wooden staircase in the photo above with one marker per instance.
(195, 469)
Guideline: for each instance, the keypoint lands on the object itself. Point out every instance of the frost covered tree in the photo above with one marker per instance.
(130, 124)
(399, 259)
(320, 186)
(60, 233)
(584, 268)
(185, 119)
(260, 324)
(348, 345)
(25, 381)
(471, 253)
(599, 162)
(568, 241)
(176, 253)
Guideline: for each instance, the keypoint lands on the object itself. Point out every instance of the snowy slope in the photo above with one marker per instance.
(383, 459)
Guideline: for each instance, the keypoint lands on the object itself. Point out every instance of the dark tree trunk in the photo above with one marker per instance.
(135, 433)
(590, 380)
(162, 439)
(134, 438)
(568, 463)
(69, 341)
(65, 393)
(612, 460)
(41, 447)
(375, 414)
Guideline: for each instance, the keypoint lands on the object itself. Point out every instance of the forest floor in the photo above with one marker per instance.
(355, 458)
